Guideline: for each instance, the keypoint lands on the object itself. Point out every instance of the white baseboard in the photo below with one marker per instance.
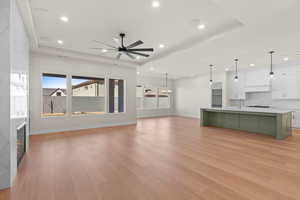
(155, 115)
(80, 128)
(187, 115)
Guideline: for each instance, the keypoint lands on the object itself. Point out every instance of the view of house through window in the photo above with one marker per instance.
(54, 95)
(152, 98)
(116, 95)
(88, 95)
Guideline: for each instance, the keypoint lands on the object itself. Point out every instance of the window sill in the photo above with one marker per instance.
(54, 117)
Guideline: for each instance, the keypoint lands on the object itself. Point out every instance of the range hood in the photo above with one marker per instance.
(257, 88)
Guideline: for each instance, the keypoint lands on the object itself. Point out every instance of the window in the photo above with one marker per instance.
(88, 95)
(150, 98)
(116, 96)
(54, 95)
(163, 98)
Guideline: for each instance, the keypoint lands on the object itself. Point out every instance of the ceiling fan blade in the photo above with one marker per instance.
(108, 45)
(137, 43)
(146, 49)
(140, 54)
(129, 55)
(102, 49)
(118, 56)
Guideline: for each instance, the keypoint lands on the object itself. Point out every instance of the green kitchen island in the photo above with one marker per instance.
(276, 123)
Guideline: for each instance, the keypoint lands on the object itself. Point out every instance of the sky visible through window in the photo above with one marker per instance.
(58, 82)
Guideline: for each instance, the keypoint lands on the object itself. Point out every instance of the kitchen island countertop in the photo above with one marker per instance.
(248, 109)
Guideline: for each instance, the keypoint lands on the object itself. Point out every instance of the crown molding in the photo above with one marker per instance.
(26, 13)
(82, 56)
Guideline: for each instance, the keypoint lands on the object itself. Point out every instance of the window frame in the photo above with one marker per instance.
(41, 111)
(157, 98)
(124, 95)
(71, 113)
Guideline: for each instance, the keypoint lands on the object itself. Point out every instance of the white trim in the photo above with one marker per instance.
(42, 95)
(82, 128)
(71, 93)
(43, 50)
(124, 92)
(155, 115)
(26, 13)
(187, 115)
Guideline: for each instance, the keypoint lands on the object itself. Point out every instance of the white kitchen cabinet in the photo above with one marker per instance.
(257, 80)
(285, 83)
(236, 90)
(259, 77)
(296, 119)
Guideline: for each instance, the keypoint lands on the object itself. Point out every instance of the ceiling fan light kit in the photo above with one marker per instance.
(129, 50)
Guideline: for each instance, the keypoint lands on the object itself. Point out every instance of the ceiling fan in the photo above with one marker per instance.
(129, 50)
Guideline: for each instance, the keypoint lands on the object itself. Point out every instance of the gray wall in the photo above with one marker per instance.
(5, 139)
(14, 58)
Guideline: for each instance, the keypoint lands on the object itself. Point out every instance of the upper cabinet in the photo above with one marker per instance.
(257, 80)
(285, 84)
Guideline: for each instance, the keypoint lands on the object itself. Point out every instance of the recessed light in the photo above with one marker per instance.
(161, 46)
(201, 26)
(138, 73)
(64, 19)
(252, 65)
(60, 41)
(137, 58)
(155, 4)
(151, 68)
(286, 59)
(104, 50)
(227, 69)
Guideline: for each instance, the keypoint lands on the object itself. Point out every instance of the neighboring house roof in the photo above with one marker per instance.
(87, 83)
(58, 89)
(51, 91)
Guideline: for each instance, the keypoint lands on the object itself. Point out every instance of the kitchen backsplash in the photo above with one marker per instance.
(265, 99)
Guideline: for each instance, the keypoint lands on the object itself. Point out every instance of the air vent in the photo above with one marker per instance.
(41, 9)
(45, 39)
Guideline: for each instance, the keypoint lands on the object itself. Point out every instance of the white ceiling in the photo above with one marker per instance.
(267, 25)
(246, 29)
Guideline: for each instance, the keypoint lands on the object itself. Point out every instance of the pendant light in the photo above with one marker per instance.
(271, 65)
(236, 78)
(210, 68)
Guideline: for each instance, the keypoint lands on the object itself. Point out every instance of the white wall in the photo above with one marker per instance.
(41, 63)
(195, 93)
(156, 82)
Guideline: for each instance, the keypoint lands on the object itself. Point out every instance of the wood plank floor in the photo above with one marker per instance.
(169, 158)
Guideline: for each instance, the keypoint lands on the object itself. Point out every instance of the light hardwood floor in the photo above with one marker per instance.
(169, 158)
